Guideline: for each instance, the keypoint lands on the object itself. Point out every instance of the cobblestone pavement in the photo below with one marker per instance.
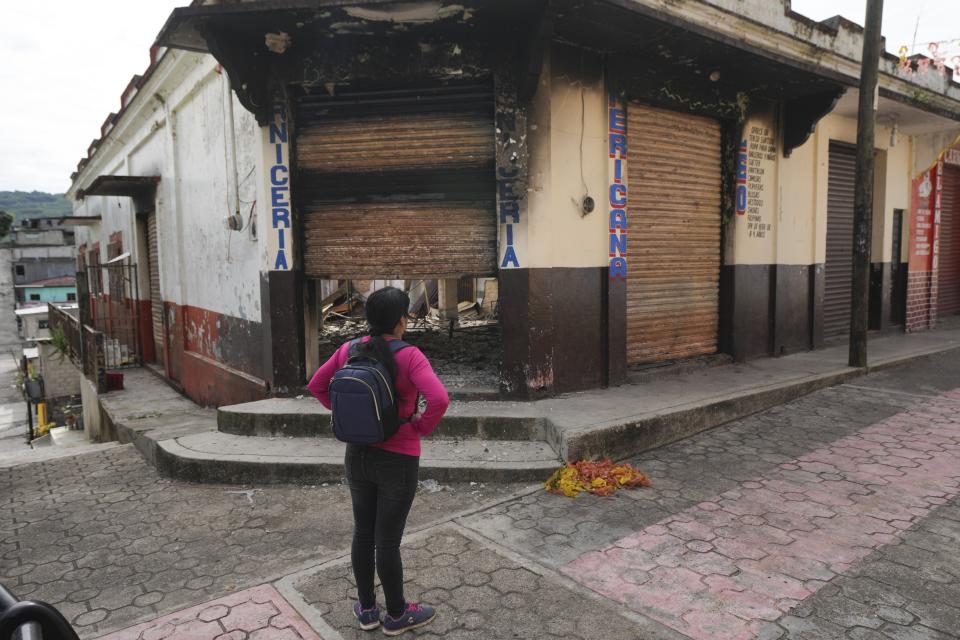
(111, 543)
(479, 594)
(726, 566)
(907, 590)
(257, 613)
(556, 530)
(834, 516)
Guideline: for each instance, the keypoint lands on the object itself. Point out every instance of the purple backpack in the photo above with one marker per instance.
(363, 398)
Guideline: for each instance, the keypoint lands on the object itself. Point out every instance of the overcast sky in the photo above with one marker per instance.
(63, 65)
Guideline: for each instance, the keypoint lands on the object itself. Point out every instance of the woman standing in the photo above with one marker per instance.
(383, 477)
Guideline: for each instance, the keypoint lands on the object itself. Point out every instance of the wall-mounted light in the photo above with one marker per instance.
(894, 130)
(714, 75)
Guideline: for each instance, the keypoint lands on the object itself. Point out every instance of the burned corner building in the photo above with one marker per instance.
(642, 182)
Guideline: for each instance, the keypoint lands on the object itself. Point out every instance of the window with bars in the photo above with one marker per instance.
(114, 249)
(94, 274)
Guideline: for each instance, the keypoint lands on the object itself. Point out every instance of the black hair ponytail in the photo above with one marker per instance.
(384, 309)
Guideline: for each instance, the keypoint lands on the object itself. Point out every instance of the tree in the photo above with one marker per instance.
(6, 223)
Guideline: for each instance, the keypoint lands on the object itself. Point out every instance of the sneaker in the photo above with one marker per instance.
(414, 617)
(368, 618)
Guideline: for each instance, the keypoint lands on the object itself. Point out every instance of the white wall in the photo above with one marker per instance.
(179, 127)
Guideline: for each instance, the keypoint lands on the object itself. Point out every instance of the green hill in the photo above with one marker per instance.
(34, 204)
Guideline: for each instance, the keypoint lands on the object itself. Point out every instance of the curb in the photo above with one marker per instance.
(241, 420)
(176, 461)
(619, 439)
(633, 436)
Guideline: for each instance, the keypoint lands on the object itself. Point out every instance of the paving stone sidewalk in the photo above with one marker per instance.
(834, 516)
(111, 543)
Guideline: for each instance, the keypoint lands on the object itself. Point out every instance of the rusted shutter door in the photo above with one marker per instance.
(838, 277)
(674, 248)
(397, 240)
(398, 184)
(948, 270)
(156, 300)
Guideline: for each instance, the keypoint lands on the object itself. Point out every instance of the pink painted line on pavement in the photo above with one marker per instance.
(727, 567)
(260, 613)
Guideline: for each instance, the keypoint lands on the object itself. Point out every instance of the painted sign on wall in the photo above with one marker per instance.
(742, 179)
(509, 186)
(922, 223)
(280, 234)
(761, 158)
(617, 138)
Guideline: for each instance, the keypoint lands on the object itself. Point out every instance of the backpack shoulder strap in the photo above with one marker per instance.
(354, 349)
(398, 345)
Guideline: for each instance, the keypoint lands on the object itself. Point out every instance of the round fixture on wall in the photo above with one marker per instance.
(588, 205)
(233, 222)
(714, 75)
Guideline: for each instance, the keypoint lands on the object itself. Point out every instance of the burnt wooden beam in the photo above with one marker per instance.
(248, 67)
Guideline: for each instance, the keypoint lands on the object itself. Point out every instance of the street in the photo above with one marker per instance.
(834, 516)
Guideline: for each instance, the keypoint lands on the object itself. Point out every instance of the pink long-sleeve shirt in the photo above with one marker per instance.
(414, 375)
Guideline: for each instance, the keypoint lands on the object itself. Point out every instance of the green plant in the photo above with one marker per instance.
(59, 342)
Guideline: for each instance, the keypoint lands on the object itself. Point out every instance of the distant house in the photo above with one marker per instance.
(33, 322)
(62, 289)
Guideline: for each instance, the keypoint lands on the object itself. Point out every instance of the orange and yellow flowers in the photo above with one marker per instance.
(601, 478)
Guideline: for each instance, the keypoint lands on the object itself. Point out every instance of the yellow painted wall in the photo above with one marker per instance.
(752, 236)
(803, 182)
(799, 199)
(569, 110)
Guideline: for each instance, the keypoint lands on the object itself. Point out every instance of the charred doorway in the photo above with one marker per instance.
(397, 187)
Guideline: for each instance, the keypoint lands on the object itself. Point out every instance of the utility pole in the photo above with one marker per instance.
(863, 196)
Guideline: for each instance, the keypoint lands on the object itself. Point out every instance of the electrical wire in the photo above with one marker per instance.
(583, 127)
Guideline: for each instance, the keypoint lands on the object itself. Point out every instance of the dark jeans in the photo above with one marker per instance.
(382, 485)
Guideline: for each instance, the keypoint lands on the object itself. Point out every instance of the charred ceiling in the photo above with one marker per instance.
(324, 45)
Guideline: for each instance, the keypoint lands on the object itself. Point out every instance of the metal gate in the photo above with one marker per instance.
(397, 184)
(114, 311)
(838, 275)
(948, 261)
(898, 272)
(674, 275)
(156, 300)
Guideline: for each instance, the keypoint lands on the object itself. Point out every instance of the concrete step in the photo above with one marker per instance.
(67, 437)
(227, 458)
(306, 418)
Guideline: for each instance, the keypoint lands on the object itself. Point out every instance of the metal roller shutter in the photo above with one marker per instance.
(397, 240)
(156, 300)
(397, 184)
(674, 216)
(838, 275)
(948, 271)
